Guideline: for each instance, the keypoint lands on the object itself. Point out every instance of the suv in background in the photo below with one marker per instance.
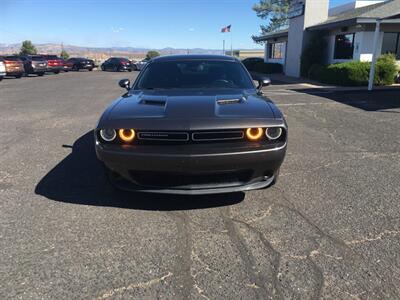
(54, 63)
(250, 62)
(117, 64)
(34, 64)
(14, 66)
(79, 63)
(2, 69)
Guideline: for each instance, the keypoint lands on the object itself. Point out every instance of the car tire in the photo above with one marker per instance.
(116, 69)
(18, 76)
(56, 72)
(102, 68)
(41, 74)
(90, 69)
(75, 68)
(1, 78)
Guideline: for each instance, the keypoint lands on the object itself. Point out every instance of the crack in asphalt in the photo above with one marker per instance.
(349, 253)
(248, 260)
(139, 285)
(276, 259)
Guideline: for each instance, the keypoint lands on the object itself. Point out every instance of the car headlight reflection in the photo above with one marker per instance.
(108, 134)
(273, 133)
(127, 135)
(254, 134)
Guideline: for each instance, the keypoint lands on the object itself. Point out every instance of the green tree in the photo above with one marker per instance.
(28, 48)
(275, 11)
(313, 54)
(152, 54)
(64, 54)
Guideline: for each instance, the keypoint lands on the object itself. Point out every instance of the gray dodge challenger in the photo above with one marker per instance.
(192, 124)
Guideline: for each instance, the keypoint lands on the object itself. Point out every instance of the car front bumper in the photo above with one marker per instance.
(191, 169)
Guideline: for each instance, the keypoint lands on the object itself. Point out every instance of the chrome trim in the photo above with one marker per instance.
(217, 139)
(163, 132)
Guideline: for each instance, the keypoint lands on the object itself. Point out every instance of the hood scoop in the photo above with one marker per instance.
(154, 102)
(229, 101)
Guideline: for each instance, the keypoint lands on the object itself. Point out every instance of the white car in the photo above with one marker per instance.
(2, 69)
(139, 65)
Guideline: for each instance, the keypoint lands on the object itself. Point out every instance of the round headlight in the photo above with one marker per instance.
(108, 134)
(254, 134)
(127, 135)
(273, 133)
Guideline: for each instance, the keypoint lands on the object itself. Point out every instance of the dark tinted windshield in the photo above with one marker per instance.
(37, 57)
(51, 56)
(12, 58)
(194, 74)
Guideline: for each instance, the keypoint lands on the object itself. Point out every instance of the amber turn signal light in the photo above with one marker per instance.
(127, 135)
(254, 134)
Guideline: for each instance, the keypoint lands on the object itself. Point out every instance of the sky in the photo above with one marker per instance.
(132, 23)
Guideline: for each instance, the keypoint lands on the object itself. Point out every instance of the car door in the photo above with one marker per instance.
(107, 64)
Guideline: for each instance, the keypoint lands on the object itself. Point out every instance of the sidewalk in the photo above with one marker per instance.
(305, 83)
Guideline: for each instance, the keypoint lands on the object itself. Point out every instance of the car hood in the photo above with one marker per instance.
(188, 110)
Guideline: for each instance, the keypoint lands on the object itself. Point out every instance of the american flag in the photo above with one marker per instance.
(226, 29)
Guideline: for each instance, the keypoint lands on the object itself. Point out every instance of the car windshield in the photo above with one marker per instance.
(37, 58)
(194, 74)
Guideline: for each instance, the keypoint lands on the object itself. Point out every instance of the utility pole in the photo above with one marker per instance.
(223, 47)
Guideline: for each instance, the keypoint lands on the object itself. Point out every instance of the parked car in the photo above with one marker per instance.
(80, 63)
(34, 64)
(54, 63)
(14, 66)
(250, 62)
(65, 66)
(116, 64)
(2, 69)
(139, 65)
(192, 124)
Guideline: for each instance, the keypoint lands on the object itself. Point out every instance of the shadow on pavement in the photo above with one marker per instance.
(377, 100)
(80, 179)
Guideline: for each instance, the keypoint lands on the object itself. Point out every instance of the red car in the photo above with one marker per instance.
(54, 63)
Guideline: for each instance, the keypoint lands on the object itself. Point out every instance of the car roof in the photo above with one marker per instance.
(194, 56)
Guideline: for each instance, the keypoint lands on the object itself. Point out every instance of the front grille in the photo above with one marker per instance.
(163, 136)
(217, 135)
(187, 180)
(190, 136)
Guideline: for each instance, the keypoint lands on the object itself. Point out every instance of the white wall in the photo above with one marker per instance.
(363, 46)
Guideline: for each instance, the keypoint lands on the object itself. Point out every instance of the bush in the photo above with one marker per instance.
(151, 54)
(356, 73)
(386, 70)
(315, 71)
(266, 68)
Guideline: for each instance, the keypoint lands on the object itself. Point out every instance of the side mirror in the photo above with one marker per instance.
(125, 83)
(262, 80)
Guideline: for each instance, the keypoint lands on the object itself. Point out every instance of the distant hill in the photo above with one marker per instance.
(103, 52)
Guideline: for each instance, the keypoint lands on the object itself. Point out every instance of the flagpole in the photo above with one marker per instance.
(231, 44)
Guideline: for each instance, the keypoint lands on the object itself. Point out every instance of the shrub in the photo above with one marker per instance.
(315, 71)
(386, 70)
(266, 68)
(356, 73)
(151, 54)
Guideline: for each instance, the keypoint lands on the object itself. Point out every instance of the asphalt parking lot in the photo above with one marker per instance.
(330, 228)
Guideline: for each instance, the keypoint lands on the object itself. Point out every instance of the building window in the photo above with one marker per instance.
(276, 50)
(344, 46)
(390, 44)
